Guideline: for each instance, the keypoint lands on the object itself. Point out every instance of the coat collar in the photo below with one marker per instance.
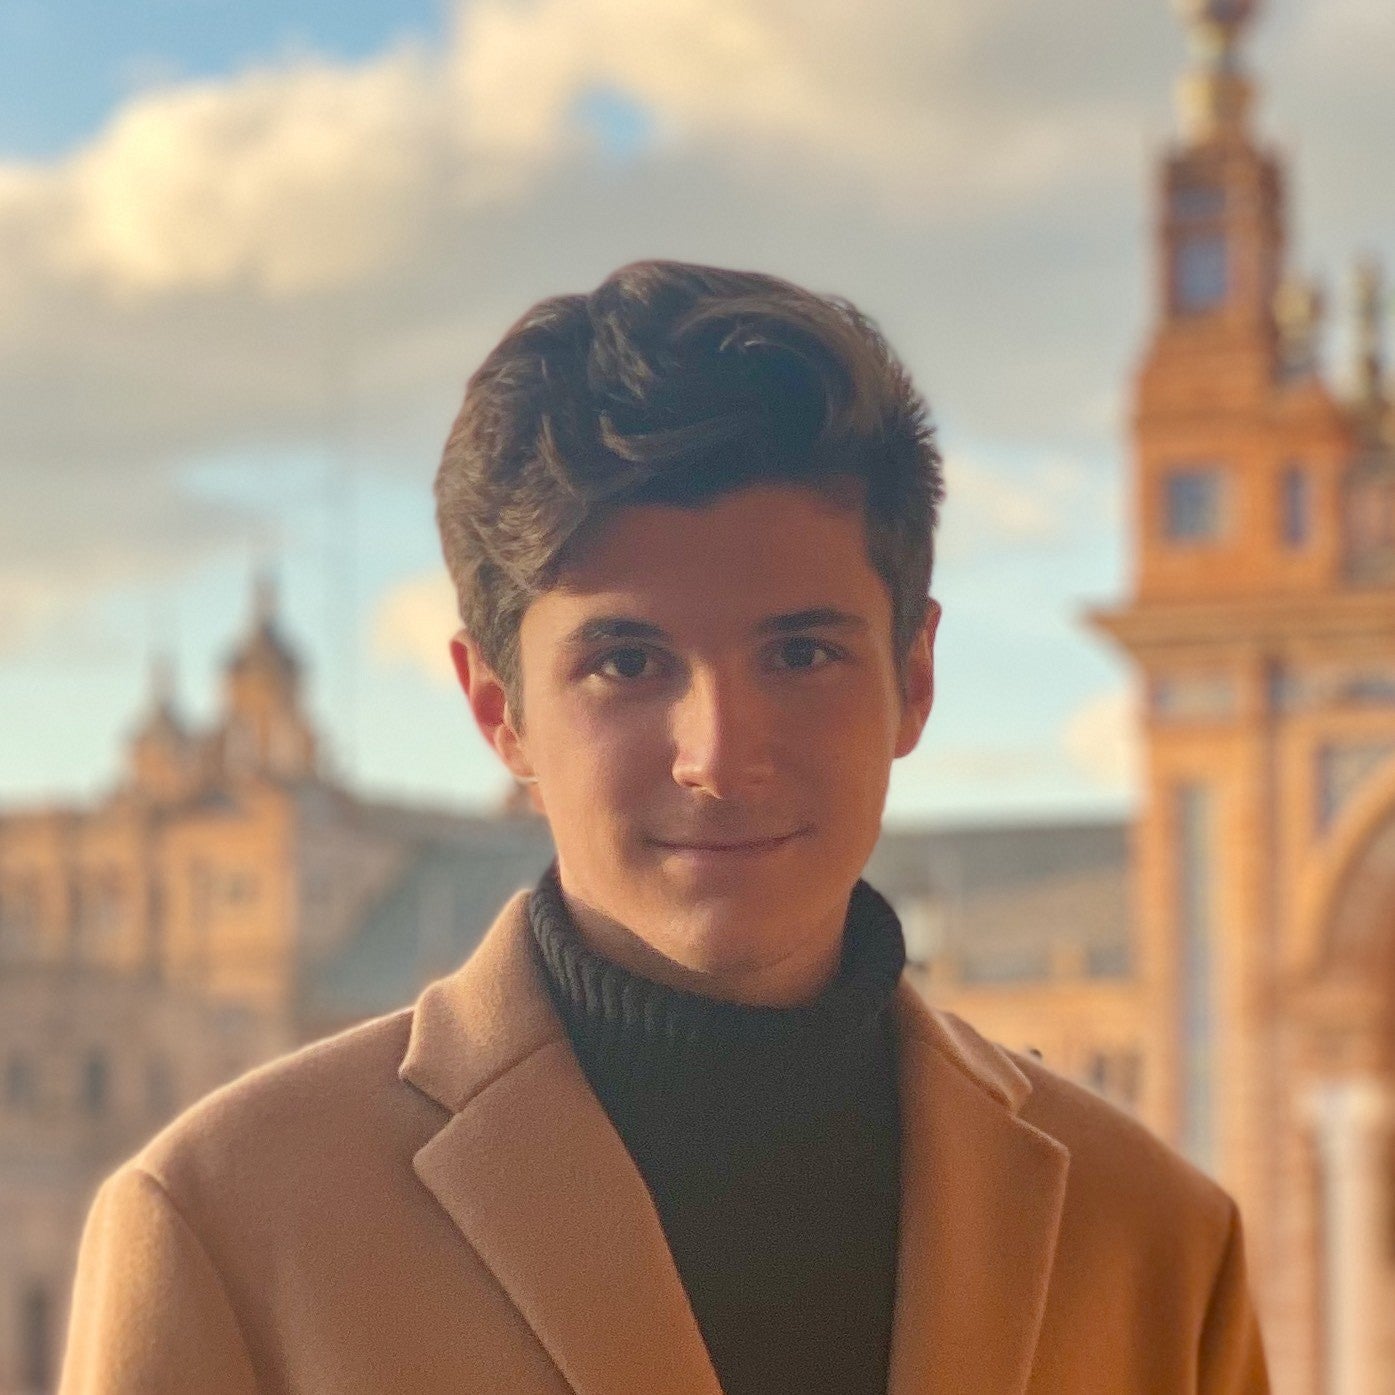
(531, 1171)
(982, 1192)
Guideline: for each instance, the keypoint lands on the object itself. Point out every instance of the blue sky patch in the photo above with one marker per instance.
(65, 66)
(620, 125)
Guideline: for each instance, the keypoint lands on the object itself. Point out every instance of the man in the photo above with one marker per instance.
(678, 1125)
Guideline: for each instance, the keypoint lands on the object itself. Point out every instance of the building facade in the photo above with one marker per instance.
(226, 903)
(1262, 626)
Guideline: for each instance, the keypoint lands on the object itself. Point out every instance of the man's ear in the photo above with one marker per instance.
(489, 705)
(919, 688)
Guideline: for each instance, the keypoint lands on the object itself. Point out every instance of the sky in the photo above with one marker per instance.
(249, 254)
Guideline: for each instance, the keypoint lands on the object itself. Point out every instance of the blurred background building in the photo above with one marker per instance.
(1223, 965)
(1262, 621)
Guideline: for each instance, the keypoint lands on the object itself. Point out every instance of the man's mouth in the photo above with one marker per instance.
(731, 846)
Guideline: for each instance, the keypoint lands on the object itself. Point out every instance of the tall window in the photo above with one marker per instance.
(1195, 893)
(21, 1088)
(96, 1082)
(1194, 504)
(1296, 505)
(202, 885)
(1370, 523)
(1197, 203)
(1201, 272)
(35, 1340)
(99, 913)
(19, 915)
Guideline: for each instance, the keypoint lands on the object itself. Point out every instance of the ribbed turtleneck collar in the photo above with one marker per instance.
(643, 1035)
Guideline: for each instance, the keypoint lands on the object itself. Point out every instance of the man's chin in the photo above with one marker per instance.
(723, 899)
(726, 932)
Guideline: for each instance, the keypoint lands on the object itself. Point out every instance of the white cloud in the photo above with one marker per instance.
(412, 623)
(310, 248)
(991, 767)
(1037, 501)
(287, 180)
(26, 605)
(276, 182)
(1102, 740)
(60, 547)
(871, 97)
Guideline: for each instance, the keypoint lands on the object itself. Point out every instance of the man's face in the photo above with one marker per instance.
(711, 707)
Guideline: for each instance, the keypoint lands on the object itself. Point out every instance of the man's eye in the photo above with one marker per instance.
(801, 652)
(624, 663)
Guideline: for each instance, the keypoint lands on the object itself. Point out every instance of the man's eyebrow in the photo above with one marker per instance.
(817, 618)
(603, 628)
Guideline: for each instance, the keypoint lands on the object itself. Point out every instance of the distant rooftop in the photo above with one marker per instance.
(999, 900)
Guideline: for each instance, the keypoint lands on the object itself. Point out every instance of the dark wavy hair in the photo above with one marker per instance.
(672, 383)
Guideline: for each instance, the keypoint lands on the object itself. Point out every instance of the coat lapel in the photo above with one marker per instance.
(533, 1174)
(537, 1180)
(982, 1192)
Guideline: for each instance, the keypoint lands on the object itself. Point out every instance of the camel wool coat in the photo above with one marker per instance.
(435, 1202)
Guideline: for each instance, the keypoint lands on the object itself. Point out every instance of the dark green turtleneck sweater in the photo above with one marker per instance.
(769, 1140)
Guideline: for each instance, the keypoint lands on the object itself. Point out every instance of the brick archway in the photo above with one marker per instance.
(1346, 919)
(1359, 938)
(1338, 1026)
(1349, 953)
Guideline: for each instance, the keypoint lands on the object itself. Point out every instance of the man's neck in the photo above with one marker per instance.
(787, 980)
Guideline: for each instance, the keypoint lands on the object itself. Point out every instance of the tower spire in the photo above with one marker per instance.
(162, 685)
(264, 596)
(1215, 95)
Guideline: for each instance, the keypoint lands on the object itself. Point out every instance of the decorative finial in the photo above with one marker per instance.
(1215, 94)
(1369, 283)
(1228, 15)
(1298, 311)
(162, 716)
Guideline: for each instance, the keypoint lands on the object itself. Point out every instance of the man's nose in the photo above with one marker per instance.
(723, 736)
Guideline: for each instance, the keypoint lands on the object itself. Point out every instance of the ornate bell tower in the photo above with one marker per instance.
(1262, 624)
(264, 730)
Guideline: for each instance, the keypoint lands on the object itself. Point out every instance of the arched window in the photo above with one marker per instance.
(1296, 507)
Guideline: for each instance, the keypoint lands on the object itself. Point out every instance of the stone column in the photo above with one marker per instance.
(1350, 1119)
